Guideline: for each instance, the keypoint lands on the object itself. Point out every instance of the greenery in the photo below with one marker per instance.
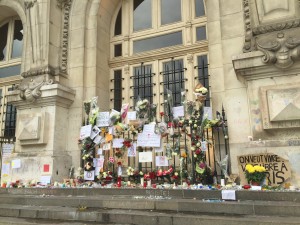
(255, 173)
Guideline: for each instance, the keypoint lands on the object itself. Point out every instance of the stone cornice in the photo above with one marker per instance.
(51, 95)
(251, 66)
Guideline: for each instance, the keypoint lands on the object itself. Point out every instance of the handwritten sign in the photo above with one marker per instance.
(161, 161)
(98, 140)
(118, 143)
(103, 119)
(16, 163)
(148, 140)
(5, 169)
(131, 115)
(278, 169)
(178, 111)
(7, 149)
(44, 180)
(145, 157)
(148, 129)
(89, 175)
(132, 150)
(85, 131)
(106, 146)
(207, 112)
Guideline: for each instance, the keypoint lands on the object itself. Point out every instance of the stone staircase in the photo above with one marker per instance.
(146, 207)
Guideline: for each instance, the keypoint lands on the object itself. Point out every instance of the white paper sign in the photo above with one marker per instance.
(161, 161)
(89, 175)
(204, 146)
(85, 131)
(5, 169)
(132, 150)
(228, 195)
(148, 140)
(95, 131)
(131, 115)
(98, 162)
(148, 129)
(99, 151)
(44, 180)
(98, 140)
(106, 146)
(97, 171)
(178, 111)
(16, 163)
(111, 130)
(7, 150)
(103, 119)
(118, 142)
(207, 112)
(145, 157)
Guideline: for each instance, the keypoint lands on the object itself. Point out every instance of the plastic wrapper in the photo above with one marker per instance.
(142, 108)
(223, 164)
(124, 111)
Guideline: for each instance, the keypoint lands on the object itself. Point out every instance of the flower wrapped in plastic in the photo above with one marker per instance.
(168, 105)
(142, 108)
(114, 117)
(124, 111)
(152, 113)
(94, 110)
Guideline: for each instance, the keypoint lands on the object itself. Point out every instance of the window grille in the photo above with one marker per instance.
(203, 76)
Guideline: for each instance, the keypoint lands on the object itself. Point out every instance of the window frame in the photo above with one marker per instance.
(8, 60)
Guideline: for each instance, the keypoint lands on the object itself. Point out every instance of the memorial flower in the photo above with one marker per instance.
(255, 173)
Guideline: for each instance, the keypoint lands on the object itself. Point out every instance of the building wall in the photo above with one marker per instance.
(236, 78)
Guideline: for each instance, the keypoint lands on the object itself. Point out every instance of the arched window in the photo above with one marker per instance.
(11, 47)
(156, 46)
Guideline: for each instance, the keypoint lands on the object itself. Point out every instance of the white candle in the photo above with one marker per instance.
(222, 182)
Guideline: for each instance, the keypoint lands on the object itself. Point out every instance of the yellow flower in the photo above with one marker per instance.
(249, 166)
(257, 168)
(251, 170)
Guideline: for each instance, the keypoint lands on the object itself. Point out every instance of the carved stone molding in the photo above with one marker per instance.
(29, 4)
(281, 50)
(62, 3)
(263, 17)
(65, 35)
(41, 71)
(30, 87)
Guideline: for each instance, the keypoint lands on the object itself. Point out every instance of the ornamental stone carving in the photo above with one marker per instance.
(264, 16)
(281, 50)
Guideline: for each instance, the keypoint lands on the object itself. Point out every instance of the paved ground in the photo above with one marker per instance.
(22, 221)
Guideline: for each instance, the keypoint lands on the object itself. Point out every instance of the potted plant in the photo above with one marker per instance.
(255, 175)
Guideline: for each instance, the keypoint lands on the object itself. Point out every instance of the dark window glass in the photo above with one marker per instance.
(201, 33)
(170, 11)
(142, 14)
(199, 7)
(3, 41)
(203, 76)
(142, 80)
(157, 42)
(10, 71)
(117, 90)
(17, 40)
(10, 120)
(118, 25)
(173, 78)
(118, 50)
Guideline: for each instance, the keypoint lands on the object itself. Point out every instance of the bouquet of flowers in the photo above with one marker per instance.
(255, 173)
(142, 108)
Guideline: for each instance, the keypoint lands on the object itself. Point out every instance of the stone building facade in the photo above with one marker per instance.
(72, 50)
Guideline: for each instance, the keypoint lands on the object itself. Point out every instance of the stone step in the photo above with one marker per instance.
(63, 215)
(248, 207)
(292, 196)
